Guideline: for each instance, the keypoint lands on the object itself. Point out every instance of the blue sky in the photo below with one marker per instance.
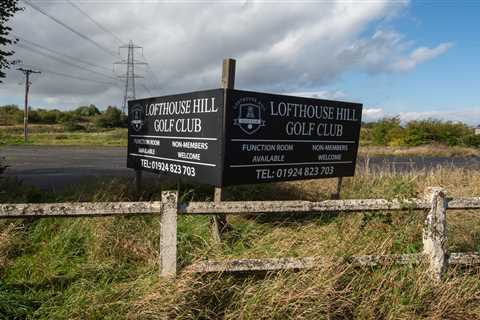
(416, 59)
(445, 84)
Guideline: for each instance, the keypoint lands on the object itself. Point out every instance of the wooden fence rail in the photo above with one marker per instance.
(434, 232)
(76, 209)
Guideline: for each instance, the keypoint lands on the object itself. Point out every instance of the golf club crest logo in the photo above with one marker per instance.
(136, 118)
(249, 115)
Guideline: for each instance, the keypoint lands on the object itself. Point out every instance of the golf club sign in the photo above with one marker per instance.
(228, 137)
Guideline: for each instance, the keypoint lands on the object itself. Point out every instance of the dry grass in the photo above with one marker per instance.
(56, 135)
(335, 292)
(432, 150)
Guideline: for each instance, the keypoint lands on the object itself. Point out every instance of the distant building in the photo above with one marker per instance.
(477, 129)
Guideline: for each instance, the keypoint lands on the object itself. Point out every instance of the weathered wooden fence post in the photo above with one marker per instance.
(435, 233)
(219, 222)
(168, 234)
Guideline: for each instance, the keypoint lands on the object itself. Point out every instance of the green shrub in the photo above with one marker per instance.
(472, 140)
(85, 111)
(70, 116)
(389, 132)
(428, 131)
(72, 125)
(10, 115)
(386, 130)
(43, 116)
(111, 118)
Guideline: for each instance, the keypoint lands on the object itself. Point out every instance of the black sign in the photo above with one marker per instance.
(178, 135)
(258, 137)
(273, 137)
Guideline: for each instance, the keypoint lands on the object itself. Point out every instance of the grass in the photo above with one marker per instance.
(107, 268)
(56, 135)
(431, 150)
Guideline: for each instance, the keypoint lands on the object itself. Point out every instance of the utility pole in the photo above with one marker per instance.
(129, 75)
(27, 73)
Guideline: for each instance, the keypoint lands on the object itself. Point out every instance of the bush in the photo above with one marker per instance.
(10, 115)
(428, 131)
(85, 111)
(72, 126)
(472, 140)
(389, 132)
(386, 131)
(111, 118)
(42, 116)
(69, 117)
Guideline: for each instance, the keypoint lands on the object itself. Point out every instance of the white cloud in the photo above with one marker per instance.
(321, 94)
(385, 51)
(420, 55)
(470, 116)
(280, 47)
(372, 114)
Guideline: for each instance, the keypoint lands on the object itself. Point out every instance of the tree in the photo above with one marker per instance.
(110, 118)
(87, 111)
(7, 9)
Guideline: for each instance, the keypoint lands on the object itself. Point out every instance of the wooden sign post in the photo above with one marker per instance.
(219, 222)
(338, 188)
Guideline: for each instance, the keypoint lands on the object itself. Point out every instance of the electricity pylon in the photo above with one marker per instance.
(130, 74)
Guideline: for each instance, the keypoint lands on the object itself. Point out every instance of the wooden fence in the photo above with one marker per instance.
(435, 252)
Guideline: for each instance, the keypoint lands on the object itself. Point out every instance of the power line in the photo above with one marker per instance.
(154, 76)
(32, 49)
(59, 53)
(44, 70)
(95, 22)
(98, 45)
(77, 78)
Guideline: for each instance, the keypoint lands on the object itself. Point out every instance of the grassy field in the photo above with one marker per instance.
(56, 135)
(431, 150)
(107, 268)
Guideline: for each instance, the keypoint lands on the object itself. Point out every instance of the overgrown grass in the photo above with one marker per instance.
(57, 135)
(107, 268)
(431, 150)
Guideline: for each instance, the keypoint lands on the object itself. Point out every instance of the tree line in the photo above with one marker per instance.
(391, 132)
(384, 132)
(73, 120)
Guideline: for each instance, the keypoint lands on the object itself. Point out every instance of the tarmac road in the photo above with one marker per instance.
(57, 167)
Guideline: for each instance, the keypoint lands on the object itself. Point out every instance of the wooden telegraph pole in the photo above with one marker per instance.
(27, 73)
(219, 222)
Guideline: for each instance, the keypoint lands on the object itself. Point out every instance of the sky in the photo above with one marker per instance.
(417, 59)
